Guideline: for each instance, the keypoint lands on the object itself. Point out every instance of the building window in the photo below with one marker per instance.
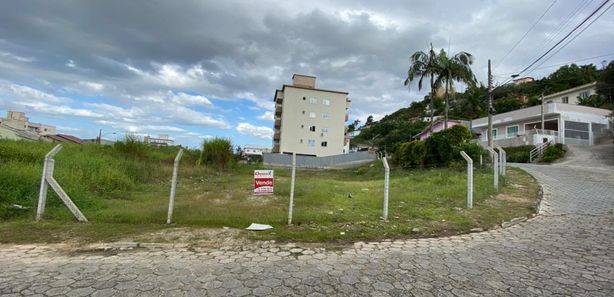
(312, 128)
(304, 98)
(325, 130)
(494, 134)
(584, 95)
(303, 112)
(325, 116)
(565, 99)
(313, 100)
(302, 126)
(324, 143)
(311, 142)
(312, 114)
(512, 131)
(301, 140)
(325, 101)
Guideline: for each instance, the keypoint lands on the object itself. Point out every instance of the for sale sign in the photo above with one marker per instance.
(263, 182)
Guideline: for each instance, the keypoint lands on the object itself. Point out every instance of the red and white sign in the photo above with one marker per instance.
(263, 182)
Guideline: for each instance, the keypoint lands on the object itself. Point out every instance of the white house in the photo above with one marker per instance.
(573, 95)
(563, 123)
(252, 150)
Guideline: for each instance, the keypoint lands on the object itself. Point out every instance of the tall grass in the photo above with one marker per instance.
(90, 174)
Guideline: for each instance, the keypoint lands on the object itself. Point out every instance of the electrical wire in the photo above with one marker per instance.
(525, 34)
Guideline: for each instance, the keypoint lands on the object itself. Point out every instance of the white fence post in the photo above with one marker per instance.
(48, 180)
(495, 167)
(469, 179)
(292, 189)
(481, 162)
(386, 187)
(171, 202)
(502, 160)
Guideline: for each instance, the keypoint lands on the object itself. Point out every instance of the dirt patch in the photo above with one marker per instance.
(514, 198)
(209, 237)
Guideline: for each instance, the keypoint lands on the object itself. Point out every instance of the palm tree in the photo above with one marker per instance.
(423, 65)
(456, 68)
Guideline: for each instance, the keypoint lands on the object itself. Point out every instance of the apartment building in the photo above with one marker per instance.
(310, 121)
(19, 120)
(162, 140)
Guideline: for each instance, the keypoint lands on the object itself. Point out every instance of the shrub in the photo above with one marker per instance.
(474, 151)
(411, 154)
(439, 150)
(553, 153)
(457, 135)
(216, 152)
(132, 147)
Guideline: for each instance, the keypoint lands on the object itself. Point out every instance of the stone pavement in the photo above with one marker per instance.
(566, 251)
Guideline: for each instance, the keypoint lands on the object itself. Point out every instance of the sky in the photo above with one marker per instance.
(199, 69)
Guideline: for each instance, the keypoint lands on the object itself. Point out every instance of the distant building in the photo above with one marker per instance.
(162, 140)
(8, 132)
(438, 125)
(253, 150)
(310, 121)
(523, 80)
(573, 95)
(19, 121)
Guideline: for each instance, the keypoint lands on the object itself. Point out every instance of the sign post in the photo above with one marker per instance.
(263, 182)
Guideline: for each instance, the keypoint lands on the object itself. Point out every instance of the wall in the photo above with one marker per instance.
(336, 161)
(295, 124)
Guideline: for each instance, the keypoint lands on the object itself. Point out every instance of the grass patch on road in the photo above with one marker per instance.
(430, 202)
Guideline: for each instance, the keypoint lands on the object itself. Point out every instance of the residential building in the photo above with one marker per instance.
(573, 95)
(18, 120)
(523, 80)
(310, 121)
(438, 125)
(8, 132)
(162, 140)
(563, 123)
(253, 150)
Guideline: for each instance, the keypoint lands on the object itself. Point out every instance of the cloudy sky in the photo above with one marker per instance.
(195, 69)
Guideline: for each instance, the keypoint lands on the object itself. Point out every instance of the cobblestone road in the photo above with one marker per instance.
(568, 250)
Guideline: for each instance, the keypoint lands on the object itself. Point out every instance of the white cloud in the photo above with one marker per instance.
(92, 85)
(71, 64)
(67, 129)
(187, 99)
(256, 131)
(45, 108)
(267, 116)
(18, 58)
(26, 93)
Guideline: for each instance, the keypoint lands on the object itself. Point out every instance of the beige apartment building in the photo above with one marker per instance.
(310, 121)
(19, 120)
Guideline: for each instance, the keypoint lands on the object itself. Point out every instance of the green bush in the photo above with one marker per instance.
(132, 147)
(439, 150)
(411, 154)
(216, 152)
(474, 151)
(553, 153)
(519, 154)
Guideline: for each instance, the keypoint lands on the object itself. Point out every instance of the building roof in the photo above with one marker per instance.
(65, 138)
(21, 133)
(584, 86)
(429, 127)
(296, 74)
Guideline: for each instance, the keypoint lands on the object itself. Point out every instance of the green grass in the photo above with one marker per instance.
(124, 197)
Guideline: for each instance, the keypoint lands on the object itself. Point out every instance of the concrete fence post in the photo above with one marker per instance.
(469, 179)
(291, 206)
(386, 187)
(502, 161)
(48, 180)
(481, 162)
(495, 167)
(171, 202)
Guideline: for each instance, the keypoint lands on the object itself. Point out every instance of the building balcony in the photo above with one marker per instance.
(276, 135)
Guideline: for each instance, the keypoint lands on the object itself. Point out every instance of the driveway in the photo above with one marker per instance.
(566, 251)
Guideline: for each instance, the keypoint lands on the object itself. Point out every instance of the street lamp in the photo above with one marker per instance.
(99, 138)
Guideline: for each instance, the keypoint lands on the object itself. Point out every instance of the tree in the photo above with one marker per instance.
(605, 84)
(353, 126)
(369, 121)
(423, 65)
(451, 69)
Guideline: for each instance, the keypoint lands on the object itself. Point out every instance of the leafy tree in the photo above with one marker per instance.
(353, 126)
(605, 85)
(455, 68)
(423, 65)
(369, 121)
(216, 152)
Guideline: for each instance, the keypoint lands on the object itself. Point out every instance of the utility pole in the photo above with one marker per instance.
(543, 128)
(490, 108)
(99, 136)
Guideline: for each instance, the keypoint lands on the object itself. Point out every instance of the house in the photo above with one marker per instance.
(523, 80)
(162, 140)
(255, 150)
(63, 138)
(563, 123)
(8, 132)
(573, 95)
(18, 120)
(438, 125)
(310, 121)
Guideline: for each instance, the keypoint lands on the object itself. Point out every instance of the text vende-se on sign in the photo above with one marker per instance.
(263, 182)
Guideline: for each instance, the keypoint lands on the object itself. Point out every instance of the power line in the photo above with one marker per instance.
(573, 38)
(525, 34)
(562, 39)
(506, 75)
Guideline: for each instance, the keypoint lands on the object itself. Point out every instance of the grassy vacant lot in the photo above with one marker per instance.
(124, 194)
